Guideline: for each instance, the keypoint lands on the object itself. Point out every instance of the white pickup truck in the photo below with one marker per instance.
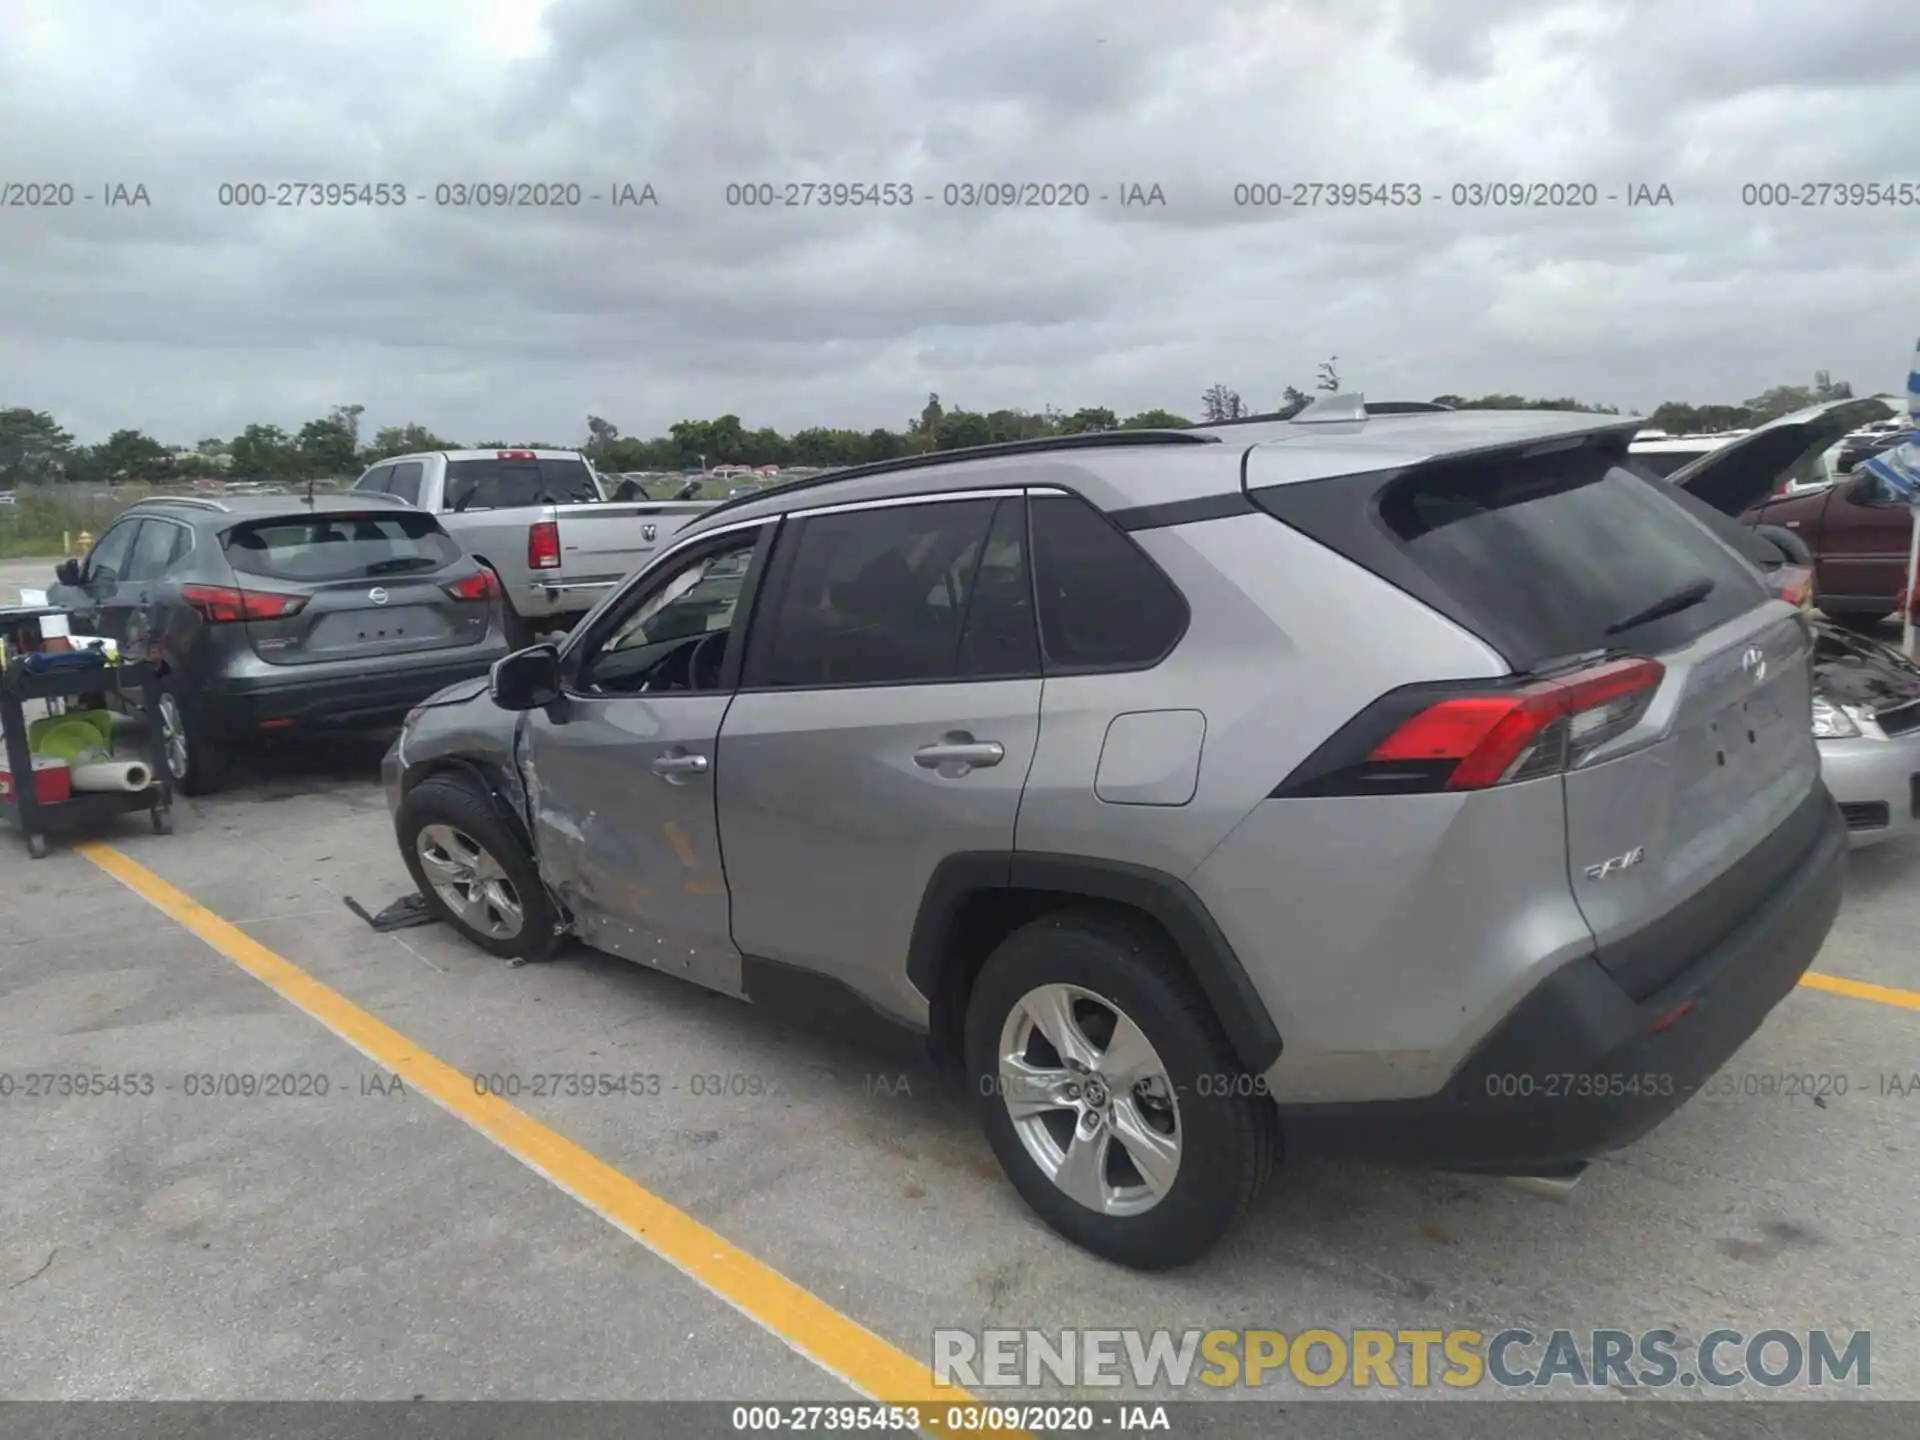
(540, 520)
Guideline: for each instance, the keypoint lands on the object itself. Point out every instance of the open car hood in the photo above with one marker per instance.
(1738, 476)
(1854, 669)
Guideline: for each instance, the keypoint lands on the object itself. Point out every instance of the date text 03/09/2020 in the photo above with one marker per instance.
(1461, 195)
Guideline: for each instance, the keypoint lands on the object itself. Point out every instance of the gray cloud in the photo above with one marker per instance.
(189, 317)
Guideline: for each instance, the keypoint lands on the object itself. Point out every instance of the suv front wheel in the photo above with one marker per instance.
(1108, 1092)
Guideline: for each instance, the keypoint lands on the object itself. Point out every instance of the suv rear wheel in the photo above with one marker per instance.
(195, 764)
(473, 870)
(1108, 1092)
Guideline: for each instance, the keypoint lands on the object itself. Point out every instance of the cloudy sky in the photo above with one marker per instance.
(185, 317)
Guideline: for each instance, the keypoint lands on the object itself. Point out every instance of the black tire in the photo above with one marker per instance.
(37, 847)
(1790, 545)
(1227, 1133)
(196, 765)
(519, 630)
(453, 803)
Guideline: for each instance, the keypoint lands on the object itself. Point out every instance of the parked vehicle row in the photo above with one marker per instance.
(1142, 775)
(270, 615)
(540, 520)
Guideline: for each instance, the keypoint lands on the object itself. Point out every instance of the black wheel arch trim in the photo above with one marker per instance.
(1237, 1005)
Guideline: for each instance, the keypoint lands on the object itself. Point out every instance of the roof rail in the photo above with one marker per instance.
(1091, 440)
(200, 501)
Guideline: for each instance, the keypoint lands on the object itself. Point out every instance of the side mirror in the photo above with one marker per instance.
(526, 679)
(67, 572)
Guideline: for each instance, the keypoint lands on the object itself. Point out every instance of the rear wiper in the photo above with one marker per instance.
(1685, 598)
(399, 563)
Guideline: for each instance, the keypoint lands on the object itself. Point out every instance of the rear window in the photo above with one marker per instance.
(504, 484)
(1562, 551)
(341, 547)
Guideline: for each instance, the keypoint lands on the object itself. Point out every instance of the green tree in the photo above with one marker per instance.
(1088, 420)
(1329, 378)
(930, 417)
(130, 455)
(33, 448)
(264, 452)
(1220, 403)
(324, 447)
(403, 440)
(1155, 420)
(961, 428)
(1294, 400)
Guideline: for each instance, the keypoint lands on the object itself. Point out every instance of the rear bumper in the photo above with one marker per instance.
(1579, 1068)
(1877, 783)
(237, 708)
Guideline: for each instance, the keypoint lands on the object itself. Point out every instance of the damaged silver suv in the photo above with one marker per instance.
(1426, 785)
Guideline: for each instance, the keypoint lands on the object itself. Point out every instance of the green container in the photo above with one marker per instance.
(75, 737)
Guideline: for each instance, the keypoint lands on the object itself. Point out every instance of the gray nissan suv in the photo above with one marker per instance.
(1419, 785)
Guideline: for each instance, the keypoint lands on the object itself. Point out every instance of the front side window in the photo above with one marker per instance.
(676, 637)
(110, 555)
(159, 545)
(875, 596)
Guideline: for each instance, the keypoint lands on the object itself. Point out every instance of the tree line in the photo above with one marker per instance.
(35, 449)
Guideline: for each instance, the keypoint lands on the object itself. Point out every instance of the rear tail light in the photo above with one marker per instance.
(1476, 739)
(478, 586)
(515, 455)
(225, 604)
(1794, 584)
(543, 546)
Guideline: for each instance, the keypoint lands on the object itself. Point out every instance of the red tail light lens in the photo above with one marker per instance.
(543, 546)
(1471, 742)
(478, 586)
(515, 455)
(1435, 738)
(226, 604)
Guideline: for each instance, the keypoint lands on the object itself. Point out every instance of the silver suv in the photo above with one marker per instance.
(1417, 785)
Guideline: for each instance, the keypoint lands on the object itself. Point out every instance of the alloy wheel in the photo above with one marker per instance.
(173, 734)
(469, 881)
(1090, 1099)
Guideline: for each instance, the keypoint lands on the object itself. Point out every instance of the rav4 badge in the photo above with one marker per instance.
(1618, 863)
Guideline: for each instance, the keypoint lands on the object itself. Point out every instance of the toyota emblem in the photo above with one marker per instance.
(377, 595)
(1754, 662)
(649, 532)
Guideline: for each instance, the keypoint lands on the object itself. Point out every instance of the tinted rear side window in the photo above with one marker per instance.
(879, 596)
(504, 484)
(1562, 550)
(1103, 604)
(341, 547)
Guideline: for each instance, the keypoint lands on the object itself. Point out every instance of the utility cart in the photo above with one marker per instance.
(19, 683)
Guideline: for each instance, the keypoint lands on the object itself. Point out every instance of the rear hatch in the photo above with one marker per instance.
(345, 585)
(1739, 475)
(1681, 811)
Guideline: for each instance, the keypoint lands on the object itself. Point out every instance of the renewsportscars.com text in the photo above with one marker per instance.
(1456, 1359)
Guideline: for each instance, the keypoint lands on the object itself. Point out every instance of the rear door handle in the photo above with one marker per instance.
(676, 765)
(959, 752)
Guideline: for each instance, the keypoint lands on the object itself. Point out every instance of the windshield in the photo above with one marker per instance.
(505, 484)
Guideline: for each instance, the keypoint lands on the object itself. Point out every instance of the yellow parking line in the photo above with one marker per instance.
(809, 1325)
(1861, 990)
